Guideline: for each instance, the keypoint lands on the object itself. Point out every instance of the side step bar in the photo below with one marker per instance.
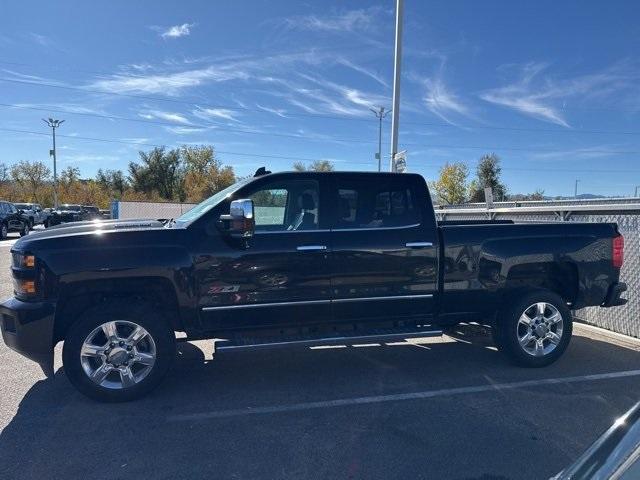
(227, 345)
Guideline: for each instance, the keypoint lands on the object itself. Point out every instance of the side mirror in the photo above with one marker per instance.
(240, 223)
(20, 211)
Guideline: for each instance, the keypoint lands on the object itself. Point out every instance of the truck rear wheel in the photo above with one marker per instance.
(534, 330)
(117, 352)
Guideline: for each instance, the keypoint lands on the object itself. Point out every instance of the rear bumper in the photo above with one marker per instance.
(27, 328)
(613, 295)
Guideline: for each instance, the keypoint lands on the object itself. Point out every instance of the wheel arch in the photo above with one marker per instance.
(77, 297)
(558, 277)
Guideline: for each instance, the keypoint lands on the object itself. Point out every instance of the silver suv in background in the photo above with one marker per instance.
(33, 212)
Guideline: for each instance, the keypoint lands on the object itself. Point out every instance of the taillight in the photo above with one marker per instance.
(618, 251)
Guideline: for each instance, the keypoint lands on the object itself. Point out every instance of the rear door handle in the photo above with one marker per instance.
(418, 244)
(310, 248)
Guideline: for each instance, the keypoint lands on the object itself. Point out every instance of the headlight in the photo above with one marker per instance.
(21, 260)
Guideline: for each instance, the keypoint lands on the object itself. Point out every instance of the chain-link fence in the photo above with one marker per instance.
(623, 319)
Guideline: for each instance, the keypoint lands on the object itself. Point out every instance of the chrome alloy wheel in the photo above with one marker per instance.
(118, 354)
(540, 329)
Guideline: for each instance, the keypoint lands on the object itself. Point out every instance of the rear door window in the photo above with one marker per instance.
(366, 204)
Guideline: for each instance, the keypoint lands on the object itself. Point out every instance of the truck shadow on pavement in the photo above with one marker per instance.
(57, 433)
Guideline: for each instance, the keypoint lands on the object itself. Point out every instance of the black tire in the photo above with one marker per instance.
(25, 229)
(30, 223)
(153, 320)
(509, 329)
(4, 231)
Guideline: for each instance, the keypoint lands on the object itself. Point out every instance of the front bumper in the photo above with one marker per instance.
(27, 328)
(613, 295)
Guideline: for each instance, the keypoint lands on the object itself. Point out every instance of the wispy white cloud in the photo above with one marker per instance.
(41, 40)
(177, 31)
(185, 130)
(168, 116)
(276, 111)
(363, 20)
(209, 113)
(364, 71)
(67, 107)
(441, 101)
(572, 154)
(277, 75)
(169, 84)
(174, 83)
(540, 94)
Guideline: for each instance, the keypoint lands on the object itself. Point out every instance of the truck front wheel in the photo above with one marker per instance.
(118, 351)
(534, 330)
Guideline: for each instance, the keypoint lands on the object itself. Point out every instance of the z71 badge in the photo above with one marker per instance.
(224, 288)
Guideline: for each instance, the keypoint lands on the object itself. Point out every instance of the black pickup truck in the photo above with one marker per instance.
(297, 259)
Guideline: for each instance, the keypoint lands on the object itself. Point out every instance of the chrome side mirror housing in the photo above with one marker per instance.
(240, 223)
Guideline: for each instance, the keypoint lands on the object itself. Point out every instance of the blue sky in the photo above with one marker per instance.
(552, 87)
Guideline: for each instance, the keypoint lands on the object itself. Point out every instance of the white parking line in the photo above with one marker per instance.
(398, 397)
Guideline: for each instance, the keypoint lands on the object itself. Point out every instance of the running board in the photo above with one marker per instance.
(239, 344)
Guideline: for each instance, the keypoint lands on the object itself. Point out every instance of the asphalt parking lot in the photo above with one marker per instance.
(450, 408)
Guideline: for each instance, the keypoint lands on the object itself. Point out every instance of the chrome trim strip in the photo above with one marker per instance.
(392, 297)
(260, 305)
(271, 232)
(418, 244)
(311, 248)
(374, 228)
(316, 302)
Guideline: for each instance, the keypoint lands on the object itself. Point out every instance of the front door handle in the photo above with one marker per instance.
(310, 248)
(418, 244)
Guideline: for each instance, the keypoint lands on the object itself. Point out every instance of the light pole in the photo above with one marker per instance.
(54, 124)
(575, 190)
(636, 193)
(396, 85)
(380, 114)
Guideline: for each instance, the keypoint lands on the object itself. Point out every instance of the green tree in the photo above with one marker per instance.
(488, 175)
(160, 171)
(451, 186)
(112, 181)
(32, 179)
(315, 166)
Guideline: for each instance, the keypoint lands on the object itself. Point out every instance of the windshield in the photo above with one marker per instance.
(203, 207)
(24, 206)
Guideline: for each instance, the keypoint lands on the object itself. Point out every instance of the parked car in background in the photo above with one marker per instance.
(106, 214)
(34, 213)
(65, 213)
(12, 221)
(91, 212)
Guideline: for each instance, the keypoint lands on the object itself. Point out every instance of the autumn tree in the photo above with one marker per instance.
(315, 166)
(32, 179)
(488, 175)
(451, 186)
(204, 173)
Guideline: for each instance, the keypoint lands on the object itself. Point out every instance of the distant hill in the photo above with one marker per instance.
(582, 196)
